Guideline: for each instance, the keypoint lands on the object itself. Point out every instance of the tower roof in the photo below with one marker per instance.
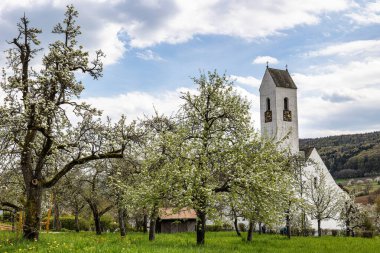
(282, 78)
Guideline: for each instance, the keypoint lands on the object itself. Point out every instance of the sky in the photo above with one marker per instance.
(154, 47)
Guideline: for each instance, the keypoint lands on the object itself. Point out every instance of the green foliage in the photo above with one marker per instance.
(68, 222)
(348, 156)
(108, 223)
(218, 228)
(217, 242)
(367, 234)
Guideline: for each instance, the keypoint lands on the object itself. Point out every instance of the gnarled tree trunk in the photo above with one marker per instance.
(288, 232)
(201, 227)
(152, 224)
(145, 222)
(121, 216)
(96, 217)
(76, 215)
(32, 212)
(57, 222)
(250, 230)
(236, 225)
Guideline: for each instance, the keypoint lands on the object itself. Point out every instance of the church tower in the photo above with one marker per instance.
(278, 108)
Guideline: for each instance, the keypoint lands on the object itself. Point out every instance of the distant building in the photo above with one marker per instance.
(170, 221)
(279, 121)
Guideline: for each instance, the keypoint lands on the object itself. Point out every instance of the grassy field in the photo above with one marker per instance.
(219, 242)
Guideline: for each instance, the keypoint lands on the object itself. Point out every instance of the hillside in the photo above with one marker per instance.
(348, 156)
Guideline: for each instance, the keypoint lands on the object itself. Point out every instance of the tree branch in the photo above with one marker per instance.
(78, 161)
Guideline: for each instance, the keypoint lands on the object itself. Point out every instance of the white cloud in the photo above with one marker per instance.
(247, 80)
(137, 104)
(113, 47)
(367, 14)
(352, 48)
(232, 18)
(254, 101)
(264, 60)
(339, 98)
(149, 55)
(111, 25)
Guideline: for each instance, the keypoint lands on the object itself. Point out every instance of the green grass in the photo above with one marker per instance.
(218, 242)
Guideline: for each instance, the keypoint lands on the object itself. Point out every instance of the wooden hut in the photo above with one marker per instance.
(176, 221)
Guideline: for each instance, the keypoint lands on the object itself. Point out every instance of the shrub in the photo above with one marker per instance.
(68, 223)
(367, 234)
(107, 223)
(217, 228)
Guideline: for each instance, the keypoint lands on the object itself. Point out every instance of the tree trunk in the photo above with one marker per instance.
(145, 223)
(348, 230)
(303, 223)
(76, 214)
(152, 229)
(13, 215)
(260, 227)
(319, 228)
(152, 224)
(57, 222)
(250, 231)
(201, 228)
(236, 225)
(96, 215)
(288, 233)
(32, 212)
(121, 215)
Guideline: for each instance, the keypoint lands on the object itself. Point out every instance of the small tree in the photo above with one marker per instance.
(94, 191)
(148, 184)
(324, 200)
(262, 190)
(351, 215)
(213, 123)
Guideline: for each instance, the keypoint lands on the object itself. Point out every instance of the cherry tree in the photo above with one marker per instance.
(324, 200)
(34, 112)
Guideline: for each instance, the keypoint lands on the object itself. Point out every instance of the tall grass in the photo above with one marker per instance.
(218, 242)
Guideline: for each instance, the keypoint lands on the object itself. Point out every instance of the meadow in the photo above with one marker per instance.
(218, 242)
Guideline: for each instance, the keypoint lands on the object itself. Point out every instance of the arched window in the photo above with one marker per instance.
(268, 104)
(286, 104)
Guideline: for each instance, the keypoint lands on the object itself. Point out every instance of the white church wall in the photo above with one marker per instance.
(287, 128)
(278, 128)
(268, 90)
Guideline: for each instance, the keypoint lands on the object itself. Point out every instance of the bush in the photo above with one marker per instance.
(68, 223)
(367, 234)
(217, 228)
(299, 232)
(107, 223)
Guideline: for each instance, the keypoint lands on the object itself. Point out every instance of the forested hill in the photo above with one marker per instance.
(346, 156)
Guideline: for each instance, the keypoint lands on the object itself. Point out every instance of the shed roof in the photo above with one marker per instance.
(172, 214)
(282, 78)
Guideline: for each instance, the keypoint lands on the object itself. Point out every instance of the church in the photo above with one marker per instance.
(279, 122)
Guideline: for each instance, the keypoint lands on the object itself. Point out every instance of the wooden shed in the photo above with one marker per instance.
(174, 221)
